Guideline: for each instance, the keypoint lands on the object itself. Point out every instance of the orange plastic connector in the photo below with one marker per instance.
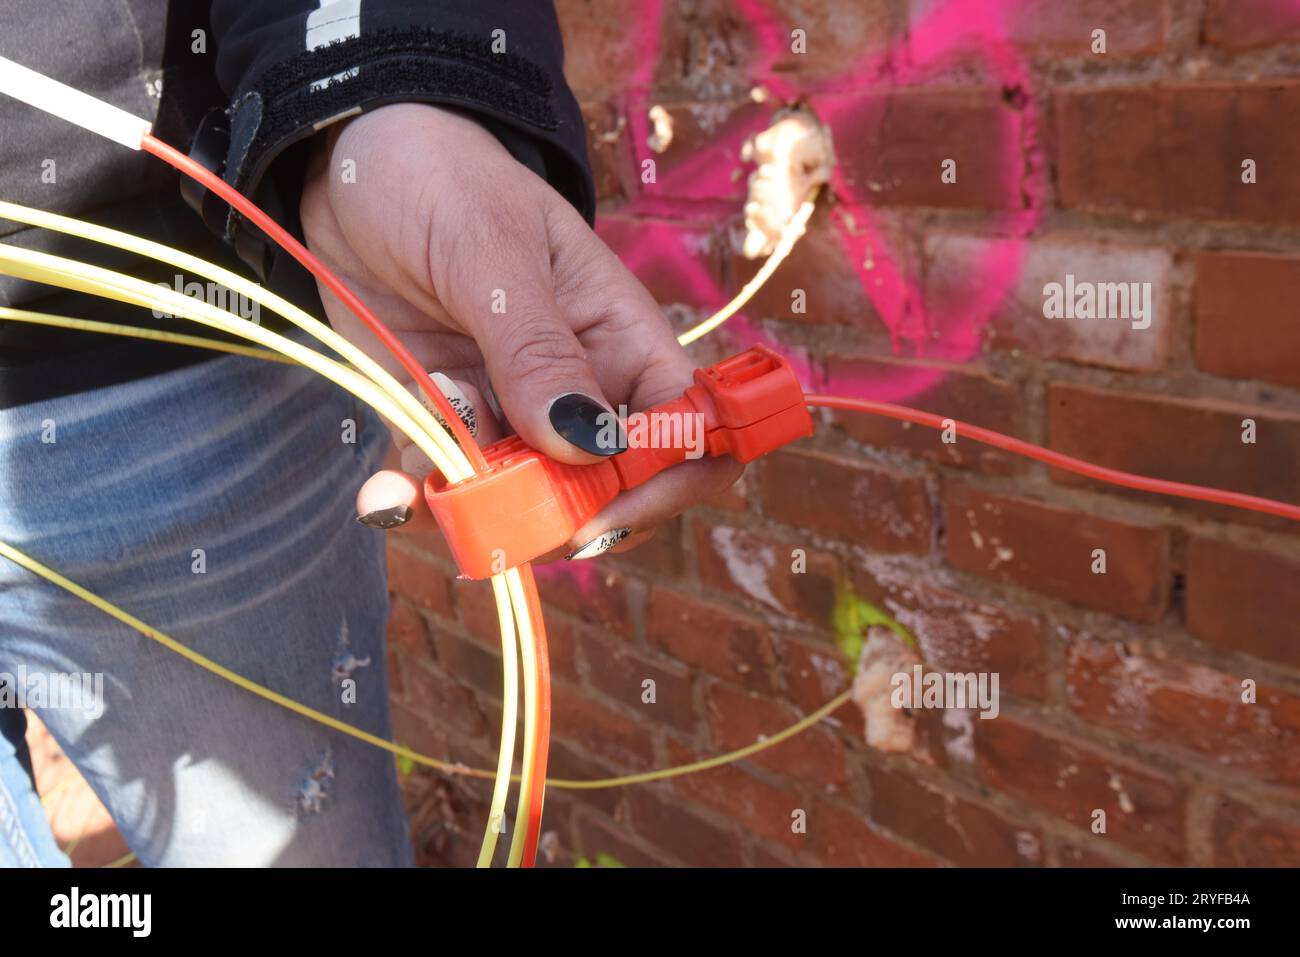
(526, 504)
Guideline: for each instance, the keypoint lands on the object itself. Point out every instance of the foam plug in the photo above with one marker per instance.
(885, 654)
(794, 156)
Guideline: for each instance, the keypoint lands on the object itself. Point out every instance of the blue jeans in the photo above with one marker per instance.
(215, 503)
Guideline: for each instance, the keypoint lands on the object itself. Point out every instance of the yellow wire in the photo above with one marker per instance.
(55, 270)
(449, 457)
(383, 392)
(250, 290)
(509, 722)
(37, 568)
(136, 332)
(789, 236)
(528, 652)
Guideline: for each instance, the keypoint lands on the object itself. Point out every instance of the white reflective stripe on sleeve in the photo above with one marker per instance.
(333, 20)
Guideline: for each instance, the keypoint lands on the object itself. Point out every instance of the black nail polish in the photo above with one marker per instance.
(583, 422)
(387, 517)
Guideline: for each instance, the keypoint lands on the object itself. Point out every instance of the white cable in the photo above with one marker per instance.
(38, 90)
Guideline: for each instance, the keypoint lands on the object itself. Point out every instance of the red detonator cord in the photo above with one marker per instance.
(1059, 460)
(298, 251)
(327, 278)
(542, 711)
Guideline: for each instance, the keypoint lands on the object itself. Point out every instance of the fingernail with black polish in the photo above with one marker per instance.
(583, 422)
(387, 517)
(600, 544)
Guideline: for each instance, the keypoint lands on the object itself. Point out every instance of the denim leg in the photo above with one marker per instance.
(216, 504)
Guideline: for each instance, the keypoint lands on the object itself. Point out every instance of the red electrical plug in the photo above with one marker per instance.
(526, 504)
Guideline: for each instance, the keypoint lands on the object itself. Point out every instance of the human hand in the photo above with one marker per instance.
(491, 278)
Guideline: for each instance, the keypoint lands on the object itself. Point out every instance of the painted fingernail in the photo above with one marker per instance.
(387, 517)
(460, 404)
(600, 544)
(583, 422)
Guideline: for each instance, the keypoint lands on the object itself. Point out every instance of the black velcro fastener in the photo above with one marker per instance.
(413, 62)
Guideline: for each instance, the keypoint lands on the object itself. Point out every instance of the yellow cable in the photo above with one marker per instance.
(55, 270)
(528, 654)
(452, 462)
(14, 555)
(510, 652)
(789, 236)
(250, 290)
(137, 332)
(509, 722)
(449, 458)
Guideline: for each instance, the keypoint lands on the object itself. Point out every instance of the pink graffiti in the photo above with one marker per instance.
(849, 102)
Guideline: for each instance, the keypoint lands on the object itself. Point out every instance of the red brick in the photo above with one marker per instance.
(603, 51)
(1245, 837)
(704, 48)
(605, 733)
(412, 728)
(407, 629)
(1132, 26)
(943, 389)
(877, 508)
(662, 554)
(815, 673)
(752, 803)
(396, 686)
(562, 647)
(961, 634)
(957, 283)
(841, 838)
(1187, 440)
(1237, 24)
(762, 569)
(1245, 305)
(566, 763)
(737, 497)
(469, 662)
(478, 615)
(1177, 150)
(618, 672)
(891, 145)
(1185, 707)
(664, 824)
(679, 262)
(702, 161)
(610, 152)
(717, 640)
(1072, 855)
(1049, 550)
(589, 591)
(419, 579)
(840, 39)
(954, 828)
(819, 265)
(1244, 599)
(597, 835)
(432, 691)
(478, 612)
(738, 719)
(770, 857)
(1144, 811)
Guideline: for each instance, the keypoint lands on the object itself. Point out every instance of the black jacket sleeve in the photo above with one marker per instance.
(292, 67)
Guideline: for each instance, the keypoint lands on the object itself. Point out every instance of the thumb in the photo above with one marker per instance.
(539, 370)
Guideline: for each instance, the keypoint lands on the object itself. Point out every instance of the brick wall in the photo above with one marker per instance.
(1120, 691)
